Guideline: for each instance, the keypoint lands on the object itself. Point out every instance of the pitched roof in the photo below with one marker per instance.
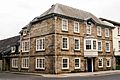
(110, 21)
(7, 43)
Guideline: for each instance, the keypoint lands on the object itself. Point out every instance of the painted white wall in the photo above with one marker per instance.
(116, 38)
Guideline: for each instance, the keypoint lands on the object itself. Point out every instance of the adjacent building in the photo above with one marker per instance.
(62, 40)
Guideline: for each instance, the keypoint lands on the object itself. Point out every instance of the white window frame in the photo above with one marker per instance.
(101, 45)
(119, 46)
(106, 46)
(67, 43)
(23, 46)
(89, 26)
(76, 31)
(42, 64)
(63, 25)
(102, 62)
(14, 62)
(99, 31)
(13, 49)
(67, 63)
(42, 45)
(91, 45)
(118, 30)
(79, 63)
(106, 32)
(109, 62)
(78, 43)
(25, 62)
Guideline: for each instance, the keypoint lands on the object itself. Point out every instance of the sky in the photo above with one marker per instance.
(15, 14)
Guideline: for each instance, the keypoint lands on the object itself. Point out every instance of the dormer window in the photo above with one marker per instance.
(13, 49)
(24, 31)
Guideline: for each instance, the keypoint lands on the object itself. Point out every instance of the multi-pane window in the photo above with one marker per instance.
(65, 63)
(118, 30)
(65, 43)
(24, 32)
(100, 62)
(107, 46)
(40, 63)
(76, 27)
(77, 63)
(106, 32)
(25, 62)
(88, 28)
(88, 44)
(40, 44)
(13, 49)
(99, 45)
(77, 43)
(108, 62)
(14, 62)
(99, 31)
(64, 25)
(94, 44)
(25, 46)
(119, 45)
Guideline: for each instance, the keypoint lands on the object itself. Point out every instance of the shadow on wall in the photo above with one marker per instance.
(0, 65)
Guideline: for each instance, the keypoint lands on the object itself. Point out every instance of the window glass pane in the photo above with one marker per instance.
(94, 44)
(88, 44)
(99, 46)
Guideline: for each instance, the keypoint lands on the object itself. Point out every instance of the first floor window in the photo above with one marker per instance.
(94, 44)
(119, 45)
(40, 63)
(65, 43)
(108, 62)
(88, 44)
(14, 62)
(77, 43)
(65, 63)
(99, 45)
(77, 63)
(40, 44)
(100, 62)
(25, 62)
(107, 46)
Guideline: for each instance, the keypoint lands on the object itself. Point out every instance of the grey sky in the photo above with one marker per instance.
(15, 14)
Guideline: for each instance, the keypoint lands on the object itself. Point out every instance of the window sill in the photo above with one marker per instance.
(64, 49)
(99, 35)
(77, 32)
(100, 66)
(108, 66)
(40, 50)
(75, 50)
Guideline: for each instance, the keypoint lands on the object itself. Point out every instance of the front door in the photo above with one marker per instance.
(89, 64)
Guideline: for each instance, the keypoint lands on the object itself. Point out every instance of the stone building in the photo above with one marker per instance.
(64, 39)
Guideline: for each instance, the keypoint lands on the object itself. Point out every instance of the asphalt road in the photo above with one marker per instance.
(11, 76)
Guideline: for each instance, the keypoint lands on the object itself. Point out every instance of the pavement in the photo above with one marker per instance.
(82, 74)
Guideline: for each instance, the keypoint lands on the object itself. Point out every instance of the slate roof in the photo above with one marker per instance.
(5, 45)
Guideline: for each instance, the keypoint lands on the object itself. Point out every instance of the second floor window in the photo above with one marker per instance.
(90, 44)
(106, 32)
(64, 25)
(76, 27)
(65, 43)
(40, 44)
(25, 46)
(107, 46)
(99, 31)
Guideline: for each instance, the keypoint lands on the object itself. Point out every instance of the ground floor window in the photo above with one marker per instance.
(100, 62)
(65, 63)
(14, 62)
(25, 62)
(77, 63)
(108, 62)
(40, 63)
